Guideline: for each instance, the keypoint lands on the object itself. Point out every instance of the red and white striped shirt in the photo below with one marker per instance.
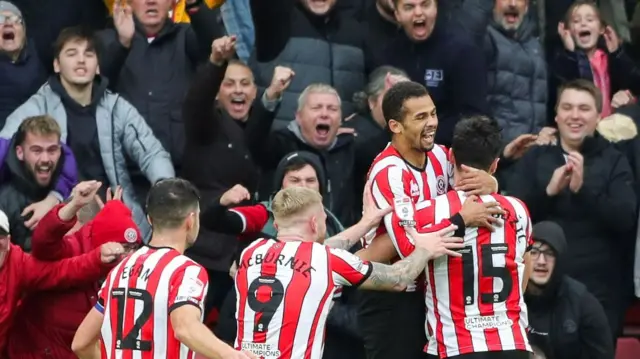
(397, 183)
(475, 303)
(284, 294)
(137, 298)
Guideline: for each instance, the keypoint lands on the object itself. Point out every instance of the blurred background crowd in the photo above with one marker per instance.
(128, 93)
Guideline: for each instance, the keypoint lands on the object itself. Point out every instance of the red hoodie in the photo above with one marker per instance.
(22, 274)
(46, 323)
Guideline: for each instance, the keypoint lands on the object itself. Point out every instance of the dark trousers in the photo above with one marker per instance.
(392, 324)
(220, 283)
(509, 354)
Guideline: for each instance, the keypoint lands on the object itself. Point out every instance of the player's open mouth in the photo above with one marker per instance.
(428, 136)
(541, 270)
(420, 26)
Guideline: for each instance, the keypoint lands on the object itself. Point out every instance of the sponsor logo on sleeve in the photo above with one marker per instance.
(404, 211)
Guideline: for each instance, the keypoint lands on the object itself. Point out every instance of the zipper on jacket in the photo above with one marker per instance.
(138, 137)
(113, 142)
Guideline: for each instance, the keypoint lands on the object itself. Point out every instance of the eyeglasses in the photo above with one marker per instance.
(536, 252)
(10, 19)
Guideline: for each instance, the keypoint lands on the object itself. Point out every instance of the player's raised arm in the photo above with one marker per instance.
(371, 217)
(404, 272)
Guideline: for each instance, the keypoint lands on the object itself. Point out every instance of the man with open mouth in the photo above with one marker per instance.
(518, 89)
(33, 163)
(20, 66)
(442, 57)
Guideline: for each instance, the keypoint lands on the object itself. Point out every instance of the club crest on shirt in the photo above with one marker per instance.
(441, 185)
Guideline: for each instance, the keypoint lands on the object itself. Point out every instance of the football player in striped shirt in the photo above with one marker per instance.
(285, 285)
(151, 305)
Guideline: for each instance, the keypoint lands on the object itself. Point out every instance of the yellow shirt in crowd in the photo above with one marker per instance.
(178, 14)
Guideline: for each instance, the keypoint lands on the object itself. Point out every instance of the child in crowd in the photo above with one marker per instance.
(593, 51)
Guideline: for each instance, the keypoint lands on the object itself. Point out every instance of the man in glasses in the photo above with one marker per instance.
(46, 322)
(566, 321)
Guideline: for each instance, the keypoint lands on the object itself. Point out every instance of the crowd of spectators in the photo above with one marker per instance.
(245, 97)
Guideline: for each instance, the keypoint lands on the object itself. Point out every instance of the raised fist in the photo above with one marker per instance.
(222, 50)
(282, 77)
(235, 195)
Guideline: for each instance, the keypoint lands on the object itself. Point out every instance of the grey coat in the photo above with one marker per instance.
(122, 133)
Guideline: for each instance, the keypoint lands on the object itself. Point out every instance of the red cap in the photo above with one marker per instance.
(114, 223)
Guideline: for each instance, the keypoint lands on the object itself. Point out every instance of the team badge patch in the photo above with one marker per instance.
(130, 235)
(441, 185)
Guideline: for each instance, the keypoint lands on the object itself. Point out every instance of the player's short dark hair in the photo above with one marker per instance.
(394, 100)
(581, 85)
(477, 141)
(170, 202)
(75, 33)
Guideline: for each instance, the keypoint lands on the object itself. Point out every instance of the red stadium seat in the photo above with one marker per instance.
(628, 348)
(632, 320)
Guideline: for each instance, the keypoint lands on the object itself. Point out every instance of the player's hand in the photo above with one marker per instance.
(371, 214)
(235, 195)
(476, 182)
(438, 243)
(481, 214)
(235, 354)
(110, 252)
(547, 136)
(111, 196)
(519, 146)
(559, 180)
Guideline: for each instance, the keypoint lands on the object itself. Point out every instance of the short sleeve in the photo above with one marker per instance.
(188, 286)
(103, 294)
(347, 269)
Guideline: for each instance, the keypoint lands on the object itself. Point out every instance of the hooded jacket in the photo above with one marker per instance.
(46, 323)
(256, 221)
(18, 191)
(122, 134)
(566, 321)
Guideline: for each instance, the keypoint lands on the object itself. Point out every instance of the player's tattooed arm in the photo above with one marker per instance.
(398, 275)
(340, 242)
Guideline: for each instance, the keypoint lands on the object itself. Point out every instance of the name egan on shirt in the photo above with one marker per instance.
(137, 271)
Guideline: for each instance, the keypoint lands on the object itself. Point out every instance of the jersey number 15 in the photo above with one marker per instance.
(487, 270)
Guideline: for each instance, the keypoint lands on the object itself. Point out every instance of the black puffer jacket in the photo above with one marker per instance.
(18, 190)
